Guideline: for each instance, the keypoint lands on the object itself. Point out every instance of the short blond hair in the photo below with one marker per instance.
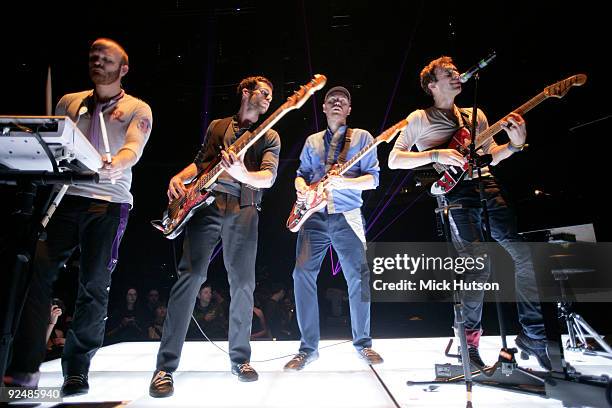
(107, 42)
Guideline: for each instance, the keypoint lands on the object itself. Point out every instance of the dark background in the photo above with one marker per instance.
(187, 56)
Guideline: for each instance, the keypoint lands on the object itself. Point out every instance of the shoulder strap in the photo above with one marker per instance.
(347, 144)
(464, 119)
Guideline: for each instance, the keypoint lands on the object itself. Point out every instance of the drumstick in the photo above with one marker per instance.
(105, 140)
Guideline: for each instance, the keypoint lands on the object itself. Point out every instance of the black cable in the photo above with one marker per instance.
(45, 147)
(221, 348)
(397, 405)
(49, 154)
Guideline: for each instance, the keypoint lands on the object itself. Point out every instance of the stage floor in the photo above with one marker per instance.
(339, 378)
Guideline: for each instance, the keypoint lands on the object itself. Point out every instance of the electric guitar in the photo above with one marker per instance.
(199, 190)
(452, 175)
(315, 198)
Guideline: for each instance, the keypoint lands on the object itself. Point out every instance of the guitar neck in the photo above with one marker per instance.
(360, 155)
(521, 110)
(386, 136)
(243, 143)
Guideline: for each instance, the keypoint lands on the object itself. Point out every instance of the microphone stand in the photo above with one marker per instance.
(486, 225)
(505, 373)
(562, 383)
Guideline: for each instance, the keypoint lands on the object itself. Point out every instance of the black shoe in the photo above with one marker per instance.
(162, 384)
(370, 356)
(299, 361)
(536, 348)
(75, 385)
(475, 358)
(245, 372)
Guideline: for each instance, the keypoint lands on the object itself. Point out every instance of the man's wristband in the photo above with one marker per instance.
(515, 148)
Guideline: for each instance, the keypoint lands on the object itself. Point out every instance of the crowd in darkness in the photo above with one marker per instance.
(134, 317)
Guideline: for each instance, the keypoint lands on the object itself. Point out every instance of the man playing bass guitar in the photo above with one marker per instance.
(231, 218)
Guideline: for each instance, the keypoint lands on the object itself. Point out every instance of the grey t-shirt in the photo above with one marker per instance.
(128, 124)
(429, 128)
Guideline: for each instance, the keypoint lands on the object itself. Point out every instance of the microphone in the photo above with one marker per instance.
(463, 78)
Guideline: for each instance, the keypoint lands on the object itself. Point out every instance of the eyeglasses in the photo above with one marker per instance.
(264, 92)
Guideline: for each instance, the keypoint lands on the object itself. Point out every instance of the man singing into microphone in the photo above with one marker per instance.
(435, 126)
(92, 217)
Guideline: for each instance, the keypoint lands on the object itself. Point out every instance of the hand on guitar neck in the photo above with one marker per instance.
(234, 165)
(514, 125)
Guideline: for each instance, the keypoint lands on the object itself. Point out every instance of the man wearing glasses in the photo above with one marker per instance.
(233, 219)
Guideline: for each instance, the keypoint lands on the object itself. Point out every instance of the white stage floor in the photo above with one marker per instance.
(339, 378)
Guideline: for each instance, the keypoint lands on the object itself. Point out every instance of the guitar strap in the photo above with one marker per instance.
(346, 147)
(464, 118)
(333, 145)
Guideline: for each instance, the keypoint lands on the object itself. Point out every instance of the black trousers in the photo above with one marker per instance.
(466, 228)
(96, 227)
(236, 227)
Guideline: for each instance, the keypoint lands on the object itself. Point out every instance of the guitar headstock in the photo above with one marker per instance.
(389, 134)
(559, 89)
(300, 96)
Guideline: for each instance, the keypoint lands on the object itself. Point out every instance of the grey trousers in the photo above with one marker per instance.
(236, 227)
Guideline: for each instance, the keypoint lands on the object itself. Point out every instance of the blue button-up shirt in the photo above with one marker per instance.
(312, 166)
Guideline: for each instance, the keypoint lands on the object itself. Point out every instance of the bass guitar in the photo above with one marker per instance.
(199, 190)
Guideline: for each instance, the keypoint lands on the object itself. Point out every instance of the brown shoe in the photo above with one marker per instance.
(162, 384)
(299, 361)
(370, 356)
(245, 372)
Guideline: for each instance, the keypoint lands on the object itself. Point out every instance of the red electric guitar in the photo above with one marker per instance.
(452, 175)
(199, 191)
(315, 198)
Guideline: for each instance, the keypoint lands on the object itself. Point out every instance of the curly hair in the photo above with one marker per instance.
(250, 83)
(428, 74)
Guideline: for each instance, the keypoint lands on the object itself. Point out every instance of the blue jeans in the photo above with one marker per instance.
(466, 227)
(314, 239)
